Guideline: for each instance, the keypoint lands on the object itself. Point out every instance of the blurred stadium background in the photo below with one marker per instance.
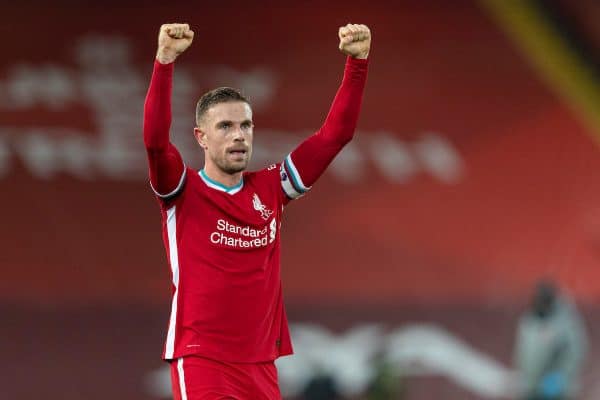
(475, 172)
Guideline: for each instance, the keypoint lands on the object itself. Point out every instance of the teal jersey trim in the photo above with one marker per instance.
(217, 185)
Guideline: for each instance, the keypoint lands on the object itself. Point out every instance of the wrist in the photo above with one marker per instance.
(165, 56)
(362, 56)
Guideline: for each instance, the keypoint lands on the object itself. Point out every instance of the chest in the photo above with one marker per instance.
(247, 220)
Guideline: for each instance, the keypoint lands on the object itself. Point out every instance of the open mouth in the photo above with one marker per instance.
(238, 153)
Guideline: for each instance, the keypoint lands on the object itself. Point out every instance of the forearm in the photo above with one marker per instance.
(341, 121)
(310, 159)
(164, 161)
(157, 108)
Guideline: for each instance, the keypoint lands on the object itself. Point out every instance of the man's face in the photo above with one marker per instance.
(225, 133)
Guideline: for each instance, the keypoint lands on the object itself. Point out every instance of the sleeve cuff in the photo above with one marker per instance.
(357, 65)
(356, 69)
(163, 68)
(357, 61)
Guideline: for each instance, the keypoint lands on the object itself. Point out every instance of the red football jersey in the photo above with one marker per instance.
(223, 243)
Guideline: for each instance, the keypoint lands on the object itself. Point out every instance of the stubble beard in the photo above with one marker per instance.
(232, 168)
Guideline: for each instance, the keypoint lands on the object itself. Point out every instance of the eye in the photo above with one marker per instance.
(224, 125)
(246, 125)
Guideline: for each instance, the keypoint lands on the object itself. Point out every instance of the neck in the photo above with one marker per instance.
(222, 177)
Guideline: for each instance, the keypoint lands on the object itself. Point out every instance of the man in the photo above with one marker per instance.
(550, 347)
(221, 225)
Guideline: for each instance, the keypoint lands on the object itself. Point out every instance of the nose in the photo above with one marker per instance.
(238, 135)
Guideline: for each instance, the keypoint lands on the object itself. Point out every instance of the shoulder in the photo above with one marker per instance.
(190, 181)
(192, 174)
(265, 180)
(267, 173)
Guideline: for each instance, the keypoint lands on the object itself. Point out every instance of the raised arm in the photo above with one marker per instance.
(166, 167)
(303, 166)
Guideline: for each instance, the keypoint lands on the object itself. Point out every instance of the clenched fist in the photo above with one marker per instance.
(355, 40)
(173, 40)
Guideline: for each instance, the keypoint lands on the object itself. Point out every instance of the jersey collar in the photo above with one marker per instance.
(219, 186)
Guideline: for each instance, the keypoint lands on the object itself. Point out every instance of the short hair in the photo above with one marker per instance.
(216, 96)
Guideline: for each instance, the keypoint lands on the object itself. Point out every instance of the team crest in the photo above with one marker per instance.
(265, 213)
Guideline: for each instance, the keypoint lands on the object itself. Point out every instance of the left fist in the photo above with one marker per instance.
(355, 40)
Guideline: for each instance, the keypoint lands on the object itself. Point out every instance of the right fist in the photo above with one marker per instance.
(173, 40)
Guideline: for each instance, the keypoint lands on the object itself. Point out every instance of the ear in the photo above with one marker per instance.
(200, 136)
